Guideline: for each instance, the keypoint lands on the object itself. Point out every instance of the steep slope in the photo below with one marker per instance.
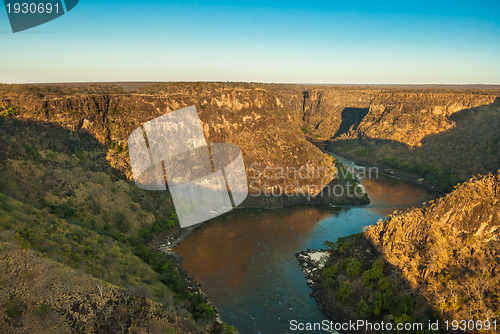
(449, 250)
(40, 295)
(60, 198)
(436, 262)
(443, 138)
(263, 120)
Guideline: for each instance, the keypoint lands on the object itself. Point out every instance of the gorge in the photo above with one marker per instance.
(68, 197)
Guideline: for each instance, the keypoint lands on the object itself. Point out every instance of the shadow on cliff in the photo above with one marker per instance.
(444, 159)
(42, 149)
(23, 139)
(351, 119)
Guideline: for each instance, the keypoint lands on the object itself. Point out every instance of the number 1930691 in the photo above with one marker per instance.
(471, 325)
(32, 8)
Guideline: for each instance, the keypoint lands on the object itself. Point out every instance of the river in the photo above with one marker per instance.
(245, 260)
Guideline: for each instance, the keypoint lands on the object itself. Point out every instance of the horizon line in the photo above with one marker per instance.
(497, 85)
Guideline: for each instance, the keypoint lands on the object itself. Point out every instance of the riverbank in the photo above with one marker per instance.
(174, 239)
(326, 147)
(311, 262)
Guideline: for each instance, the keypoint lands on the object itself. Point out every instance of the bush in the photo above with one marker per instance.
(363, 309)
(121, 222)
(353, 267)
(43, 310)
(330, 271)
(162, 225)
(328, 283)
(344, 291)
(375, 273)
(14, 308)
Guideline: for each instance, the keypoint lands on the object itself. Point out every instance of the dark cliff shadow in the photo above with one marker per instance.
(351, 119)
(42, 150)
(25, 140)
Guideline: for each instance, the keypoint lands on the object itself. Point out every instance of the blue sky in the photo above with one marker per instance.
(262, 41)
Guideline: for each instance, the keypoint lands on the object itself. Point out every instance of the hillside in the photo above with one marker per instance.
(60, 198)
(435, 262)
(264, 121)
(40, 295)
(443, 138)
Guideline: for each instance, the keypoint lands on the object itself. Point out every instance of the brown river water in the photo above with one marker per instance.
(245, 260)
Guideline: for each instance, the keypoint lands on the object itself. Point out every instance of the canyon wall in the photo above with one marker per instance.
(263, 120)
(453, 130)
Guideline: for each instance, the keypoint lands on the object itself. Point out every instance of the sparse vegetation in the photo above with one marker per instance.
(61, 199)
(417, 266)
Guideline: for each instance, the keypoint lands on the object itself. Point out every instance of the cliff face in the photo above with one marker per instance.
(409, 117)
(264, 122)
(438, 262)
(441, 137)
(449, 250)
(328, 110)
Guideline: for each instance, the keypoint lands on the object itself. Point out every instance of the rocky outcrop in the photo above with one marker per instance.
(411, 116)
(449, 250)
(264, 121)
(435, 263)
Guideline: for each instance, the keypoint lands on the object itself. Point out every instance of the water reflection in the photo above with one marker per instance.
(223, 253)
(245, 259)
(388, 194)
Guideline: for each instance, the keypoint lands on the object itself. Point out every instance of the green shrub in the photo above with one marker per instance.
(43, 310)
(384, 284)
(14, 308)
(330, 271)
(353, 267)
(344, 291)
(121, 222)
(328, 282)
(363, 309)
(375, 273)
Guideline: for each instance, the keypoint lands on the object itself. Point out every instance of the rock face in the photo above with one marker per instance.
(441, 137)
(435, 263)
(264, 121)
(449, 250)
(409, 117)
(267, 122)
